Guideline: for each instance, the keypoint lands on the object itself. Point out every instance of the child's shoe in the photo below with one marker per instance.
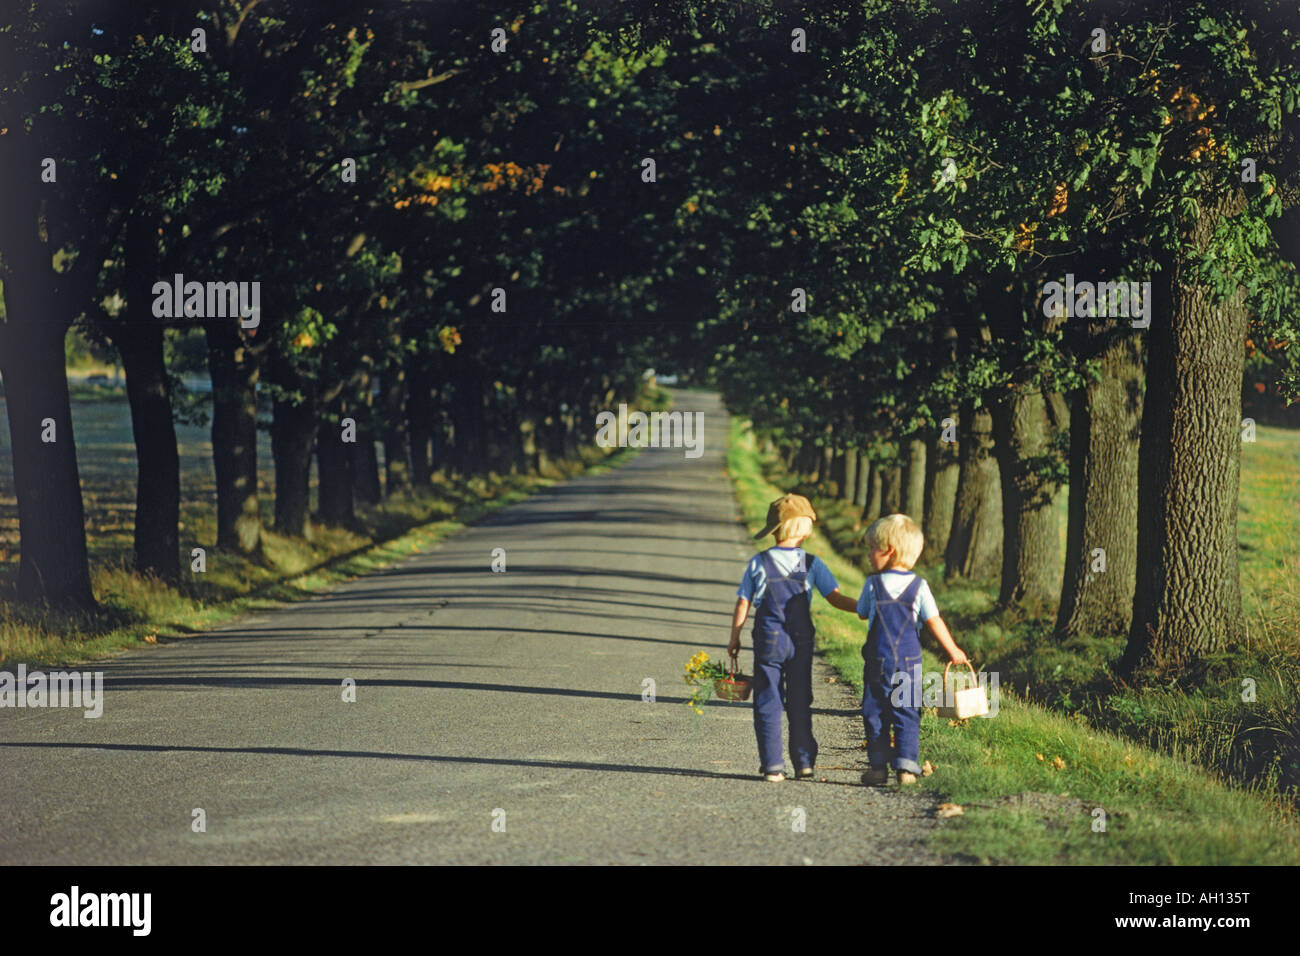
(803, 773)
(876, 777)
(906, 778)
(775, 776)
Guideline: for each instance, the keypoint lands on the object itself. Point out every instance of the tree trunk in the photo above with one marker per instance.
(54, 565)
(365, 461)
(875, 492)
(419, 419)
(825, 460)
(914, 480)
(397, 469)
(861, 486)
(572, 443)
(941, 475)
(837, 470)
(234, 374)
(365, 467)
(806, 460)
(849, 487)
(158, 470)
(530, 445)
(975, 541)
(293, 432)
(1105, 422)
(1024, 422)
(467, 416)
(891, 490)
(333, 464)
(1187, 598)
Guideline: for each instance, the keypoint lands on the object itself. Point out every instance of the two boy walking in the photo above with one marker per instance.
(893, 602)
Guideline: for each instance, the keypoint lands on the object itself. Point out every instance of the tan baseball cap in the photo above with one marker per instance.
(785, 508)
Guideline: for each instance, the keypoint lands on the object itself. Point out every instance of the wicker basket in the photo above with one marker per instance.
(736, 686)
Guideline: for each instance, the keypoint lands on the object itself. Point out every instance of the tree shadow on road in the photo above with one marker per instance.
(430, 758)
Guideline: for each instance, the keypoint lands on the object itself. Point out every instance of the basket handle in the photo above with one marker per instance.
(972, 674)
(735, 663)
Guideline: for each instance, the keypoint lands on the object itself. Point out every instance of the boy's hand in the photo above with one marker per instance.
(958, 655)
(733, 648)
(841, 601)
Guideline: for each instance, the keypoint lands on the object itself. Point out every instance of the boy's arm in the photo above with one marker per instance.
(822, 577)
(940, 632)
(841, 601)
(737, 622)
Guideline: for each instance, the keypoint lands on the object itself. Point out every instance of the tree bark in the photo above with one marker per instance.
(825, 459)
(366, 488)
(419, 419)
(54, 565)
(849, 487)
(365, 461)
(806, 460)
(467, 418)
(397, 469)
(862, 485)
(913, 504)
(234, 372)
(531, 445)
(975, 542)
(1187, 598)
(158, 470)
(891, 490)
(138, 337)
(333, 464)
(941, 474)
(875, 493)
(1105, 424)
(293, 433)
(1023, 425)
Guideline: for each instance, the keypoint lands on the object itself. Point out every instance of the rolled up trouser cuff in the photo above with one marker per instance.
(903, 765)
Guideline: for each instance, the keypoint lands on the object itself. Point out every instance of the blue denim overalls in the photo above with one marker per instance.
(893, 659)
(783, 651)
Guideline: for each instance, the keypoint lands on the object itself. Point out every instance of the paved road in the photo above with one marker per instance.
(480, 696)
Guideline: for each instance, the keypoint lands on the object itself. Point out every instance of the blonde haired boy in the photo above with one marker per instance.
(893, 603)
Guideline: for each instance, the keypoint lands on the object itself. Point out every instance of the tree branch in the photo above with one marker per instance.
(410, 85)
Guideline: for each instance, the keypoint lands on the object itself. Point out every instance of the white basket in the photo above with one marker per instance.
(971, 701)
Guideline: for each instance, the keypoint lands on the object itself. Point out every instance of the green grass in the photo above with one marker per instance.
(1031, 779)
(138, 610)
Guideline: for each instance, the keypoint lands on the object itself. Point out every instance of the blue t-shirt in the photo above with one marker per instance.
(787, 560)
(896, 582)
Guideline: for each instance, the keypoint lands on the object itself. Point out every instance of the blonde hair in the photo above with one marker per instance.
(900, 533)
(799, 526)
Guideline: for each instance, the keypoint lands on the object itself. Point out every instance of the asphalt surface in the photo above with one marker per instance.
(499, 717)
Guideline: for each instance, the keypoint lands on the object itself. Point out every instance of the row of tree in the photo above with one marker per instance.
(438, 238)
(475, 224)
(963, 157)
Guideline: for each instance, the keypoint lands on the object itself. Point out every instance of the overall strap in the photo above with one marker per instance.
(897, 610)
(908, 597)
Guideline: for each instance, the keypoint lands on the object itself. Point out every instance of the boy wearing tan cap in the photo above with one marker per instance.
(779, 583)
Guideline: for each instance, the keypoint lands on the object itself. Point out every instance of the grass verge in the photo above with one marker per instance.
(1038, 786)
